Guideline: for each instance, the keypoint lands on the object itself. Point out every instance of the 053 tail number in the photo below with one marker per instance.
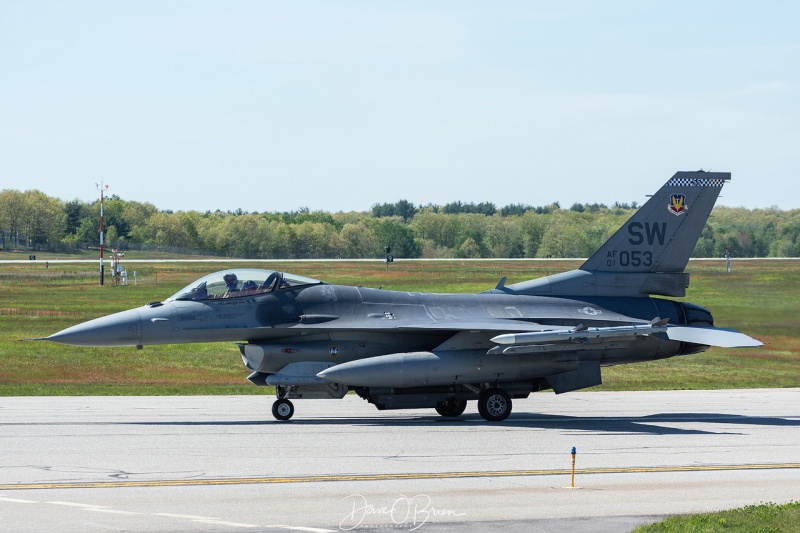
(634, 258)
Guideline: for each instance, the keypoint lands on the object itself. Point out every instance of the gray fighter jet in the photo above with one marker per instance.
(400, 350)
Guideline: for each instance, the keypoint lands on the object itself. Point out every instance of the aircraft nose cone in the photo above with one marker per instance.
(120, 329)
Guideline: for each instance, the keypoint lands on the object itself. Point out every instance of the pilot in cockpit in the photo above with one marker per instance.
(231, 281)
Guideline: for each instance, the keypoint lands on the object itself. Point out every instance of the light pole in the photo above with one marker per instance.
(101, 187)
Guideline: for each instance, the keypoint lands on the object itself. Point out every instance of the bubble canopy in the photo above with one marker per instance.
(239, 282)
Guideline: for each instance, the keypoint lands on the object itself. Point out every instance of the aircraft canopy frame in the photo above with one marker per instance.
(240, 282)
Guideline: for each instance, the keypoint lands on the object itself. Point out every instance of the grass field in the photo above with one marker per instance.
(767, 518)
(758, 297)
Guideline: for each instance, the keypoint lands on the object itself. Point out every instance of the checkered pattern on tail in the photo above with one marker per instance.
(695, 182)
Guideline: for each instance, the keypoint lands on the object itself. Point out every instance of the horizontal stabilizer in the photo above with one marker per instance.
(724, 338)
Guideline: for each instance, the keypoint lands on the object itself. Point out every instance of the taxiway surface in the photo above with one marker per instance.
(223, 464)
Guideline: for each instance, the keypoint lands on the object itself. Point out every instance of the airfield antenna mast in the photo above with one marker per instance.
(101, 186)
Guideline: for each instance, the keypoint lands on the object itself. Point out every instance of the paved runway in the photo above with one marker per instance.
(223, 463)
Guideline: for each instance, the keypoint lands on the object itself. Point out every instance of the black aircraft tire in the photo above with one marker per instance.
(494, 405)
(282, 409)
(451, 408)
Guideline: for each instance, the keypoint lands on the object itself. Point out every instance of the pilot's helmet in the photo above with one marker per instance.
(230, 280)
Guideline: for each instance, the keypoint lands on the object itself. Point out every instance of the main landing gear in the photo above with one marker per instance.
(494, 405)
(451, 408)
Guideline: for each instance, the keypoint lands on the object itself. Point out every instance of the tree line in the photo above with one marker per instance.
(32, 220)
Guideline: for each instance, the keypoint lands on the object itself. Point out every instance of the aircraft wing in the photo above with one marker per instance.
(522, 336)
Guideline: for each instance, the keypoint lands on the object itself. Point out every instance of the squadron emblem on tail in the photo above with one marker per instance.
(677, 204)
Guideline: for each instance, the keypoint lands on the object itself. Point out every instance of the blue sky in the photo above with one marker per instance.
(337, 105)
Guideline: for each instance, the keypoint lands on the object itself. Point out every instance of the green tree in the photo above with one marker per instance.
(137, 216)
(11, 216)
(532, 226)
(504, 237)
(315, 240)
(359, 241)
(88, 232)
(403, 209)
(564, 237)
(73, 212)
(398, 236)
(472, 226)
(166, 230)
(470, 249)
(43, 220)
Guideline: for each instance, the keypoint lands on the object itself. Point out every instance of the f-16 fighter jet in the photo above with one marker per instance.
(400, 350)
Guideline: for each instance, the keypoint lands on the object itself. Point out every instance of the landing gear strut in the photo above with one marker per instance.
(494, 405)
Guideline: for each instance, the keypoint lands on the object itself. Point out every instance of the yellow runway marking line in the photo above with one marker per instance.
(390, 477)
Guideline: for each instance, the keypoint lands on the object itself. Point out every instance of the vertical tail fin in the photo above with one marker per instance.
(648, 254)
(662, 234)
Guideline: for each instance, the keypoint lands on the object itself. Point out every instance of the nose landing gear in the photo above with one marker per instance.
(282, 409)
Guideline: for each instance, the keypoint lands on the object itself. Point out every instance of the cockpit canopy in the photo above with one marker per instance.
(240, 282)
